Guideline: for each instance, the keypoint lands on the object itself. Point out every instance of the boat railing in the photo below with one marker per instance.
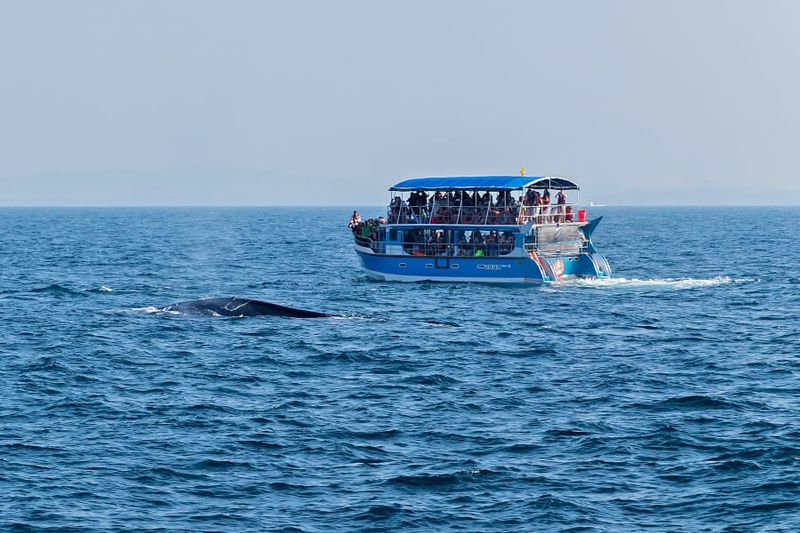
(556, 247)
(480, 249)
(549, 214)
(363, 241)
(434, 249)
(440, 249)
(483, 214)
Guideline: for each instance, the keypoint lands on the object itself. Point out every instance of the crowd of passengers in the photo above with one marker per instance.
(426, 242)
(465, 207)
(366, 230)
(421, 241)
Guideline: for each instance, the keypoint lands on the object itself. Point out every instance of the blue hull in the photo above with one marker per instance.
(518, 269)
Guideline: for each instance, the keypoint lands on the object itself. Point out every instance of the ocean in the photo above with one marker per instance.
(664, 399)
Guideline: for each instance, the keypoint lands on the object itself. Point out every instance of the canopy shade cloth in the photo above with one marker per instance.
(483, 183)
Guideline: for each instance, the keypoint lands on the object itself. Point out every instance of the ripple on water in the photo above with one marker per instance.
(662, 399)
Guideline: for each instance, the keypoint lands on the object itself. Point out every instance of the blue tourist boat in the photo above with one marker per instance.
(480, 228)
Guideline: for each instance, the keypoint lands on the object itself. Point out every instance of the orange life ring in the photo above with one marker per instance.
(558, 267)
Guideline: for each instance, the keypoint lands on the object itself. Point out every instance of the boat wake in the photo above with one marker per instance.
(658, 283)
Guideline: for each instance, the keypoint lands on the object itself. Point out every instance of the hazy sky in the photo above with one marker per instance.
(299, 102)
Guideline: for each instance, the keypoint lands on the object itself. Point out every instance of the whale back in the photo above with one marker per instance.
(239, 307)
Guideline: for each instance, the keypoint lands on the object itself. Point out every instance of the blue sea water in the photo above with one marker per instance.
(665, 399)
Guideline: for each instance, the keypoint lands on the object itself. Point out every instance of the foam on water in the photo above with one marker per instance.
(150, 309)
(657, 283)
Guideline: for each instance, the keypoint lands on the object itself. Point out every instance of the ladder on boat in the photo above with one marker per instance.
(601, 265)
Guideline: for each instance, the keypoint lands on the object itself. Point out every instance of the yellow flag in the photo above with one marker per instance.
(522, 171)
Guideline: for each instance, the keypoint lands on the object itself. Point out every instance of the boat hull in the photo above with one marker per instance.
(516, 269)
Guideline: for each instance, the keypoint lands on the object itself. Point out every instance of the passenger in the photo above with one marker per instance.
(381, 221)
(537, 207)
(427, 244)
(477, 243)
(440, 216)
(441, 243)
(506, 243)
(408, 241)
(545, 209)
(405, 213)
(419, 242)
(476, 237)
(530, 197)
(463, 245)
(436, 243)
(413, 217)
(561, 200)
(491, 244)
(568, 217)
(417, 201)
(370, 229)
(355, 220)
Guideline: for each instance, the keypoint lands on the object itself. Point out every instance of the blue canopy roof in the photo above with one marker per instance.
(483, 183)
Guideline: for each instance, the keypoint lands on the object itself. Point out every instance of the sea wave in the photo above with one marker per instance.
(560, 406)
